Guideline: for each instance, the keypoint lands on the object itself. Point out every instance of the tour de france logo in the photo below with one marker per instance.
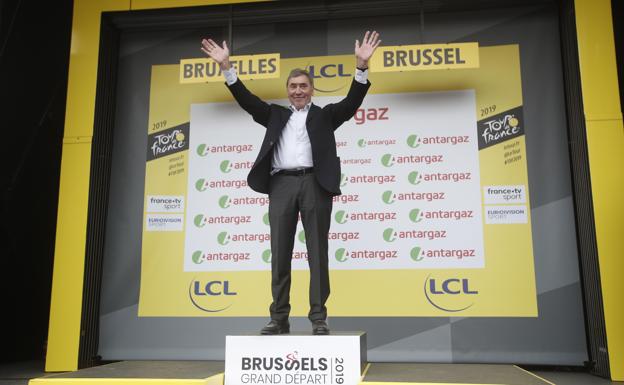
(167, 142)
(501, 127)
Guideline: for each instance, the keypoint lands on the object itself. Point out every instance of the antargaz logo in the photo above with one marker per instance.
(211, 297)
(301, 236)
(389, 235)
(388, 197)
(414, 177)
(415, 215)
(199, 220)
(225, 166)
(413, 141)
(223, 238)
(265, 219)
(201, 184)
(224, 201)
(202, 149)
(341, 217)
(341, 255)
(266, 255)
(417, 254)
(387, 160)
(361, 143)
(197, 257)
(343, 180)
(450, 295)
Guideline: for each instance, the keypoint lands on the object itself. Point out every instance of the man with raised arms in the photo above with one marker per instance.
(298, 167)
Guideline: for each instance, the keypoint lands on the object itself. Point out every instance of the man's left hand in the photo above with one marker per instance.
(364, 51)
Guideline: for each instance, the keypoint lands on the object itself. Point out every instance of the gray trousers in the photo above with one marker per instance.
(290, 196)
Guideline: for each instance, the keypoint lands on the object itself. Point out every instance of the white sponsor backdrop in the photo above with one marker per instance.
(411, 188)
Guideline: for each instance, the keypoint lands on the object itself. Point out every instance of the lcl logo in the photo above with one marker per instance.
(328, 71)
(207, 297)
(451, 294)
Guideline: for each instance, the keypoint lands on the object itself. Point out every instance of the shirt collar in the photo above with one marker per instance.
(304, 109)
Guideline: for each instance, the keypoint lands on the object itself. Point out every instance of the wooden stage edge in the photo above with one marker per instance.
(211, 373)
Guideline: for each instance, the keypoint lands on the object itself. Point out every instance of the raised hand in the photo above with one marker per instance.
(364, 51)
(219, 54)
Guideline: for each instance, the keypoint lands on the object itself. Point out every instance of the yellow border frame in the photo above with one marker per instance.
(605, 141)
(605, 135)
(69, 253)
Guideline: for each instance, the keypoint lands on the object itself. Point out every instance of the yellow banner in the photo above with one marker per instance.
(204, 70)
(425, 57)
(504, 287)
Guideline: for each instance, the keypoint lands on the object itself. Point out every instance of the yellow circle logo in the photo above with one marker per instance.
(179, 136)
(513, 122)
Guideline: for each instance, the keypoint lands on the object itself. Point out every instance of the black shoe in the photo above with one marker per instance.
(276, 327)
(319, 327)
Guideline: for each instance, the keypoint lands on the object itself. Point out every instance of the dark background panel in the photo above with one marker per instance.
(34, 56)
(331, 30)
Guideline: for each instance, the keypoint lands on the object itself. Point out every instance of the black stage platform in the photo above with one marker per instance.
(210, 372)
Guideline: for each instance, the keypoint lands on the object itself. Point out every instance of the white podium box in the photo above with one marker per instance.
(295, 359)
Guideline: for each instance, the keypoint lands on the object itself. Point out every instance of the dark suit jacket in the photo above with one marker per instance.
(320, 123)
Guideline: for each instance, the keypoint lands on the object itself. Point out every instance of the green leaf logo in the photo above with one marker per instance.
(388, 197)
(224, 202)
(265, 219)
(389, 235)
(199, 220)
(340, 217)
(225, 166)
(416, 254)
(266, 255)
(387, 160)
(343, 180)
(341, 255)
(361, 143)
(415, 215)
(197, 257)
(413, 141)
(201, 150)
(223, 238)
(414, 177)
(301, 236)
(200, 185)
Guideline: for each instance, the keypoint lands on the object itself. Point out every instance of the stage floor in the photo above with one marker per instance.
(450, 374)
(211, 372)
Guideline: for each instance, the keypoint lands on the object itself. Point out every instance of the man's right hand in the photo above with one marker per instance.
(216, 53)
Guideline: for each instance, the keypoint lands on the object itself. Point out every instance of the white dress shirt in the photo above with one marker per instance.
(293, 149)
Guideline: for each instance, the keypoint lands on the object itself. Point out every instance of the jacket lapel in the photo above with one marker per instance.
(284, 116)
(314, 110)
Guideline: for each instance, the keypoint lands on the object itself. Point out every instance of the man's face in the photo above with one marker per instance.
(300, 91)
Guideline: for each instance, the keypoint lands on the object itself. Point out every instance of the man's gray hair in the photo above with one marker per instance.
(298, 72)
